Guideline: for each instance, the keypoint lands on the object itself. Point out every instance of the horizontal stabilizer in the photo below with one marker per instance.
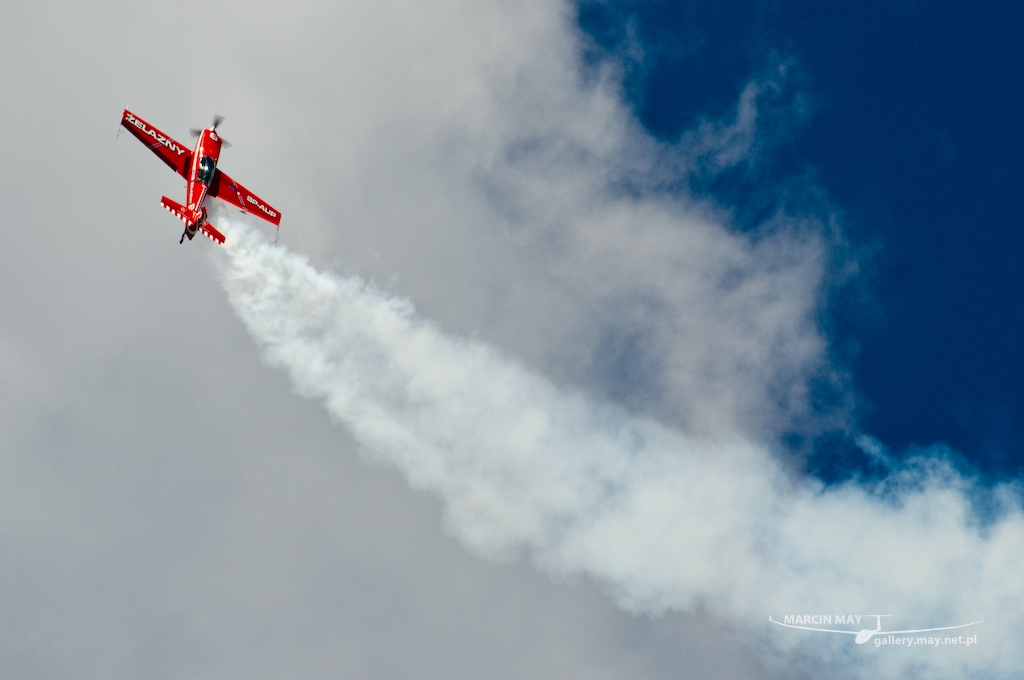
(181, 212)
(208, 230)
(195, 220)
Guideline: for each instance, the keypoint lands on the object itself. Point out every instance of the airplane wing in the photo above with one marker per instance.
(227, 189)
(170, 151)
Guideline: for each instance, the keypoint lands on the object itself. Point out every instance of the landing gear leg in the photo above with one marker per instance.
(183, 236)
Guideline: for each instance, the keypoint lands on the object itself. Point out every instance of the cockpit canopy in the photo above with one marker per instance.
(207, 166)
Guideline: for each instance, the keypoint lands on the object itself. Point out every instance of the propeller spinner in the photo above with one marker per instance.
(217, 120)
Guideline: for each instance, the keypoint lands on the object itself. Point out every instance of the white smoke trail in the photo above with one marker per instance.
(665, 520)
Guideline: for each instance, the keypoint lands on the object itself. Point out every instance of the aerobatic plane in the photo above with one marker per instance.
(202, 176)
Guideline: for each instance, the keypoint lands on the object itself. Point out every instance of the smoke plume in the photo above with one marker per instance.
(664, 520)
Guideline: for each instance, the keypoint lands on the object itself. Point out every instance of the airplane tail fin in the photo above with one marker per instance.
(195, 220)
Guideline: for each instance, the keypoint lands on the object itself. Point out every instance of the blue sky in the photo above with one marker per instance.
(914, 132)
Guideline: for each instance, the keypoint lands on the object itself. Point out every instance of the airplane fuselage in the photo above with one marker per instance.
(200, 175)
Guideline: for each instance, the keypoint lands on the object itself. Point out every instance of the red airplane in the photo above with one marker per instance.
(199, 168)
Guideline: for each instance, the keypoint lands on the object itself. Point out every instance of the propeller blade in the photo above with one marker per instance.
(225, 143)
(217, 120)
(195, 132)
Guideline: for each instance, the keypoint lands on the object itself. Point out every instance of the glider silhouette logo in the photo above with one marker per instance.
(884, 637)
